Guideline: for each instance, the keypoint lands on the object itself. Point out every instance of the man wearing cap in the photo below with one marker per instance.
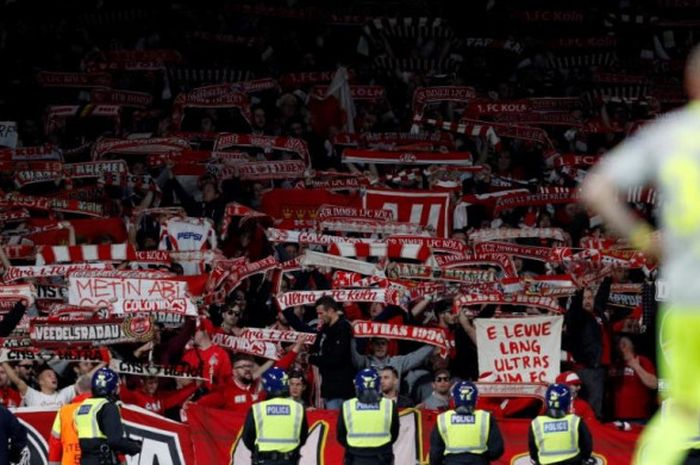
(580, 407)
(276, 428)
(465, 435)
(368, 425)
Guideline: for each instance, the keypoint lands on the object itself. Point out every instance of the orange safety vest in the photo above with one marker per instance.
(64, 429)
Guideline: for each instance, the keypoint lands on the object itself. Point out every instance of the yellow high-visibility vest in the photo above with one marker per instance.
(368, 425)
(277, 424)
(556, 438)
(85, 419)
(464, 433)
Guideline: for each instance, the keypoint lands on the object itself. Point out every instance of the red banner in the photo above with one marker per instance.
(216, 438)
(213, 437)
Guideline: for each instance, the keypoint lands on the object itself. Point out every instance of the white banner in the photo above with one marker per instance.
(520, 350)
(95, 292)
(8, 134)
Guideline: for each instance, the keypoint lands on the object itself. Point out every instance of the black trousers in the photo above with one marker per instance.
(369, 460)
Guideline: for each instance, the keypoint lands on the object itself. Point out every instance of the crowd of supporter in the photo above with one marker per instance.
(514, 102)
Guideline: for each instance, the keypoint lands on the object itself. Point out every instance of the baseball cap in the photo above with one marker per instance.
(569, 378)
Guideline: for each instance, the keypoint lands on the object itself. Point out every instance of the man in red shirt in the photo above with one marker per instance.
(239, 395)
(9, 397)
(213, 360)
(634, 382)
(580, 407)
(150, 398)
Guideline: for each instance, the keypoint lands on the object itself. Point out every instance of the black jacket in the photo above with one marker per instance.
(342, 437)
(494, 452)
(584, 337)
(331, 353)
(13, 437)
(585, 445)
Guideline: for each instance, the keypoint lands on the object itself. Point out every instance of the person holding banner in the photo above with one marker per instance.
(559, 437)
(99, 423)
(465, 435)
(275, 429)
(368, 425)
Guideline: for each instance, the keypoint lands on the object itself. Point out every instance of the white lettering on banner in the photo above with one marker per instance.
(101, 291)
(182, 306)
(405, 447)
(520, 350)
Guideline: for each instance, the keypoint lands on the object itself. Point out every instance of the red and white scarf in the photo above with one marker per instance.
(545, 303)
(389, 296)
(43, 152)
(84, 253)
(14, 273)
(381, 249)
(485, 235)
(236, 344)
(433, 336)
(266, 143)
(406, 158)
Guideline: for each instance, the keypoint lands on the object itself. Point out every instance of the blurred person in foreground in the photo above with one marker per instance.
(665, 154)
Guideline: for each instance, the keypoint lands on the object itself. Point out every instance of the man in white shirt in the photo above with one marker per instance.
(48, 394)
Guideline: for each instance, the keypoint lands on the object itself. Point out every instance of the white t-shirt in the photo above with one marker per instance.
(34, 398)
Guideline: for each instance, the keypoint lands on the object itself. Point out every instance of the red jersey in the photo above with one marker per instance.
(9, 397)
(161, 401)
(583, 409)
(234, 397)
(633, 400)
(215, 364)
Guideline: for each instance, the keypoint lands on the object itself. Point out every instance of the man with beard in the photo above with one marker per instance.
(239, 395)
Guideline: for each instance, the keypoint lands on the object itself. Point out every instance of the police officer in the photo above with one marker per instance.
(99, 423)
(464, 435)
(368, 425)
(276, 428)
(559, 437)
(13, 439)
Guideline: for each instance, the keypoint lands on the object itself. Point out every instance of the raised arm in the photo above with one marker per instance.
(16, 380)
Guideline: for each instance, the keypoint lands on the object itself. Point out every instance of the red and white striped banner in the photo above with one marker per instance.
(428, 209)
(381, 249)
(85, 253)
(311, 258)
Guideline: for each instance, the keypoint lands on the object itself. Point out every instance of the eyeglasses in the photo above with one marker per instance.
(233, 312)
(442, 378)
